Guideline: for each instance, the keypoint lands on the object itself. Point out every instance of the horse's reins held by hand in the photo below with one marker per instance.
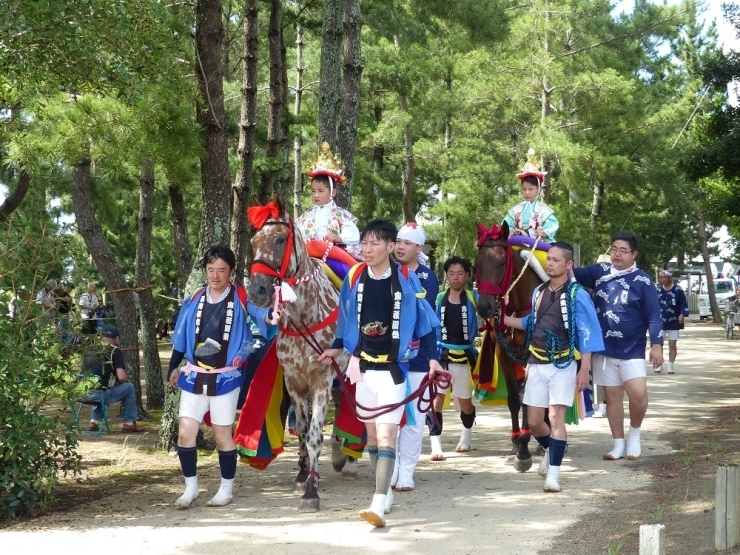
(424, 403)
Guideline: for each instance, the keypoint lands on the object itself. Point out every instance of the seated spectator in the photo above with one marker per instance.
(109, 366)
(45, 298)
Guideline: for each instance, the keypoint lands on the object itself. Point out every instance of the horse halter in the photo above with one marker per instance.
(262, 267)
(494, 235)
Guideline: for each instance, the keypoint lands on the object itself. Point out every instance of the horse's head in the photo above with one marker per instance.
(493, 267)
(273, 243)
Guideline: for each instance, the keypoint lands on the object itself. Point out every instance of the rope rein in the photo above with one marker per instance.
(312, 275)
(524, 269)
(428, 385)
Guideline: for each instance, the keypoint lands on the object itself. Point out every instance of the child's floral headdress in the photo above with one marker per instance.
(328, 164)
(532, 168)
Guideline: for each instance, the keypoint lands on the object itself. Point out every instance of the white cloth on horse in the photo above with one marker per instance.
(534, 264)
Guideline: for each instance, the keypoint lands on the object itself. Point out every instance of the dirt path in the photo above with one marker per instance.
(470, 503)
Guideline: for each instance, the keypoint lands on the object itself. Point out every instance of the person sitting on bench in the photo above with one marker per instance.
(109, 366)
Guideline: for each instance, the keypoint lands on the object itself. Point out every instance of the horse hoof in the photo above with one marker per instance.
(349, 471)
(522, 465)
(300, 487)
(540, 450)
(338, 461)
(309, 505)
(510, 460)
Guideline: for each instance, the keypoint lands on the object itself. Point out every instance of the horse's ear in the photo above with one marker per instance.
(280, 204)
(255, 201)
(505, 230)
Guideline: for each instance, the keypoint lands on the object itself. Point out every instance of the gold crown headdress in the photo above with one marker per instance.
(326, 163)
(532, 168)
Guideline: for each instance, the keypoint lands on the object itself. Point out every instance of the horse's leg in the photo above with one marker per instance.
(541, 450)
(314, 440)
(512, 401)
(301, 419)
(523, 460)
(338, 458)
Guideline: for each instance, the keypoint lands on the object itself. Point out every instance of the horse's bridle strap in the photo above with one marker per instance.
(325, 323)
(260, 267)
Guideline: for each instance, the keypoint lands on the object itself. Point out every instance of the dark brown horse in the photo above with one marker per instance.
(503, 284)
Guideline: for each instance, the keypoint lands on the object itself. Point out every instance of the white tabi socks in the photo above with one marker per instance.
(544, 464)
(463, 446)
(552, 482)
(223, 495)
(375, 515)
(634, 450)
(617, 452)
(437, 453)
(190, 495)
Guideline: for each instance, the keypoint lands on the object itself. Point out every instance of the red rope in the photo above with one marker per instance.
(430, 385)
(328, 321)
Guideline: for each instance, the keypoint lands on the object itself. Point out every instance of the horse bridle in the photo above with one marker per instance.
(261, 267)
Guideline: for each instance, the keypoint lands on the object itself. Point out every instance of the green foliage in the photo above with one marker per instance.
(37, 373)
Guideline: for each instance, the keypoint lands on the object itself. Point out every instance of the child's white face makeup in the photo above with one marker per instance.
(320, 193)
(529, 191)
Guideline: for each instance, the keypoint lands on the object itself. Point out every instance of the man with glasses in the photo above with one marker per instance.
(626, 302)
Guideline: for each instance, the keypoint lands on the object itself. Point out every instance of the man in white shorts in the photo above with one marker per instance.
(458, 327)
(627, 306)
(559, 331)
(212, 334)
(384, 322)
(673, 309)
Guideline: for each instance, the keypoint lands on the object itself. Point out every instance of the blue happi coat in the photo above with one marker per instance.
(627, 307)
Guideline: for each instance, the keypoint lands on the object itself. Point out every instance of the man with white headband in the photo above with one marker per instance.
(409, 245)
(673, 309)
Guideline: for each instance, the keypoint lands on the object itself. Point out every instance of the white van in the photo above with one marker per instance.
(723, 289)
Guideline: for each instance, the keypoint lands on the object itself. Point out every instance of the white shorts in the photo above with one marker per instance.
(462, 387)
(222, 407)
(377, 389)
(612, 372)
(670, 335)
(547, 385)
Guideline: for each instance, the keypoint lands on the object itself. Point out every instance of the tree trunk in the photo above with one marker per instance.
(298, 139)
(110, 270)
(215, 225)
(211, 116)
(596, 203)
(408, 143)
(330, 73)
(716, 315)
(378, 162)
(152, 364)
(277, 101)
(14, 199)
(545, 104)
(180, 241)
(240, 231)
(347, 132)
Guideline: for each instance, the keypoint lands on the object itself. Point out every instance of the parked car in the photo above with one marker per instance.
(723, 289)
